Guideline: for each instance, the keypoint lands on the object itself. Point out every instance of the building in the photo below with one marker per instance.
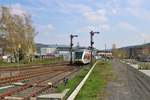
(55, 50)
(104, 53)
(137, 51)
(48, 51)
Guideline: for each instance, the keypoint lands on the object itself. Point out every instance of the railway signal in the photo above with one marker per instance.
(92, 43)
(71, 45)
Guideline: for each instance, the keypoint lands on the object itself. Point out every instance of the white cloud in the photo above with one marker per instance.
(114, 11)
(135, 3)
(96, 17)
(17, 9)
(50, 27)
(129, 27)
(75, 8)
(86, 29)
(145, 36)
(45, 29)
(134, 7)
(137, 8)
(105, 27)
(114, 7)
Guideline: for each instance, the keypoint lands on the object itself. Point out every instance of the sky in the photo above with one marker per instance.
(120, 22)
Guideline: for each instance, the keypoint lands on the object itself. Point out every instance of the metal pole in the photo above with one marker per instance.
(71, 44)
(105, 52)
(91, 37)
(91, 42)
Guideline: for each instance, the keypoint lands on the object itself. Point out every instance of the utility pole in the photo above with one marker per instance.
(105, 51)
(91, 42)
(71, 45)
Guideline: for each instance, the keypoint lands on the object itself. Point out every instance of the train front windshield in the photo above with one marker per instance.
(78, 55)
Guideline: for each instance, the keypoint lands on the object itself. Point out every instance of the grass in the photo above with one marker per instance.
(97, 81)
(35, 62)
(73, 82)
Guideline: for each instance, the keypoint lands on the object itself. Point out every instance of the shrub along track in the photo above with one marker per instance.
(35, 79)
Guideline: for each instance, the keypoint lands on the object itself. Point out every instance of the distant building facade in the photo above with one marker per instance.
(48, 51)
(55, 50)
(137, 51)
(104, 53)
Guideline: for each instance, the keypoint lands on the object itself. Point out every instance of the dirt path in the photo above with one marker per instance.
(129, 85)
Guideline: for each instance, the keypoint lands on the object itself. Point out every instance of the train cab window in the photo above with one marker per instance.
(78, 55)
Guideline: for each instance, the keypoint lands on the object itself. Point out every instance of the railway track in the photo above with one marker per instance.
(29, 75)
(35, 93)
(24, 87)
(29, 67)
(25, 73)
(44, 74)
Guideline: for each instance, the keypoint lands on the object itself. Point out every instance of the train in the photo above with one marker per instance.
(82, 56)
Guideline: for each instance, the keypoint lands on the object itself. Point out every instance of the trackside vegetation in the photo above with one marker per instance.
(43, 61)
(94, 87)
(74, 81)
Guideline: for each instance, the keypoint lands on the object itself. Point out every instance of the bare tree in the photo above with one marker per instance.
(19, 33)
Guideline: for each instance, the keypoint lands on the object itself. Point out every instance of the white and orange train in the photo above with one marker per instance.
(82, 56)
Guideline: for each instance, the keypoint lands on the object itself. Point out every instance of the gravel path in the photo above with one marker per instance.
(129, 85)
